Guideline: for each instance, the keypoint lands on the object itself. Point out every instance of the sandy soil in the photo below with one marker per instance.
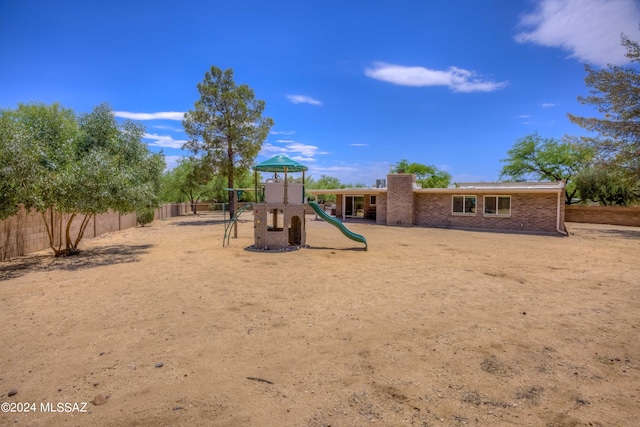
(429, 327)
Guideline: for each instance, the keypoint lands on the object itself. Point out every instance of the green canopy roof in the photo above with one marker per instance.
(279, 163)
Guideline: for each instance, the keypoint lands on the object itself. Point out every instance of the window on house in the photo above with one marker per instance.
(464, 204)
(497, 205)
(372, 201)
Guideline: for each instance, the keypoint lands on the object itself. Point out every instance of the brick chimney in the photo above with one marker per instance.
(400, 199)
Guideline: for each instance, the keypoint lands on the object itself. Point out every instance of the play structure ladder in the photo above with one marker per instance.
(229, 226)
(338, 224)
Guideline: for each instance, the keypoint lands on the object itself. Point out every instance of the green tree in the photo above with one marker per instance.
(607, 186)
(244, 179)
(226, 127)
(546, 159)
(427, 175)
(615, 92)
(113, 169)
(75, 166)
(35, 143)
(324, 183)
(190, 181)
(41, 174)
(145, 216)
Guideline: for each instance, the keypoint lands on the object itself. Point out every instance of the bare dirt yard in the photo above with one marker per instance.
(162, 326)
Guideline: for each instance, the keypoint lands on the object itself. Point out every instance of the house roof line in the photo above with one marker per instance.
(462, 188)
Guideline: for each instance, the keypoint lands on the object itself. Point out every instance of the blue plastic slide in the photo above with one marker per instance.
(336, 222)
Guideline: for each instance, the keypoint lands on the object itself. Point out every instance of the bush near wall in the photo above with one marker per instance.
(615, 215)
(26, 232)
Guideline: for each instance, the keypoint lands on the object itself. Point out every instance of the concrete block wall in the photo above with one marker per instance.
(529, 212)
(128, 221)
(106, 223)
(615, 215)
(400, 199)
(26, 232)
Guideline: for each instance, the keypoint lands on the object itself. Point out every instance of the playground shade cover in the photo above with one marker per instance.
(337, 223)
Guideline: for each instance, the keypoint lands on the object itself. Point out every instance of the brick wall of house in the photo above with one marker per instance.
(529, 212)
(400, 199)
(366, 204)
(563, 211)
(26, 232)
(616, 215)
(381, 209)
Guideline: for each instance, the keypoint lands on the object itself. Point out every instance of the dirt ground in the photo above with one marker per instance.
(428, 327)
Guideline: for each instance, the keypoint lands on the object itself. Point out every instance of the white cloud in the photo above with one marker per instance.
(305, 150)
(166, 115)
(285, 140)
(359, 145)
(172, 161)
(293, 149)
(548, 105)
(171, 128)
(282, 132)
(352, 173)
(588, 29)
(524, 116)
(269, 149)
(303, 99)
(457, 79)
(327, 170)
(303, 159)
(164, 141)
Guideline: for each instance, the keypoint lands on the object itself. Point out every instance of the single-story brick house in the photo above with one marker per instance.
(536, 207)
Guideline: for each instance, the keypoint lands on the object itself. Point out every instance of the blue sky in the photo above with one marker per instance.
(352, 86)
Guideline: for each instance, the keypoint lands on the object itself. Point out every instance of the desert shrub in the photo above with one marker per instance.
(145, 216)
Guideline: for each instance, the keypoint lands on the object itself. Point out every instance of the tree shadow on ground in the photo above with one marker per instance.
(620, 233)
(597, 231)
(88, 258)
(324, 248)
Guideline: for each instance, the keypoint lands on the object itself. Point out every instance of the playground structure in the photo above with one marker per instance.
(338, 224)
(232, 223)
(279, 221)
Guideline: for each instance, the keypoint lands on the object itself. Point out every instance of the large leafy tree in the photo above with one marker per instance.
(115, 167)
(615, 92)
(608, 186)
(427, 175)
(189, 181)
(57, 163)
(41, 174)
(35, 148)
(546, 159)
(226, 127)
(323, 183)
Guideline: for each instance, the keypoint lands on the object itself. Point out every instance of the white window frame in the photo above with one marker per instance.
(496, 197)
(464, 205)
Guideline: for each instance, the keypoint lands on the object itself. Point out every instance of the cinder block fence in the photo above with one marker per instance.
(26, 232)
(616, 215)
